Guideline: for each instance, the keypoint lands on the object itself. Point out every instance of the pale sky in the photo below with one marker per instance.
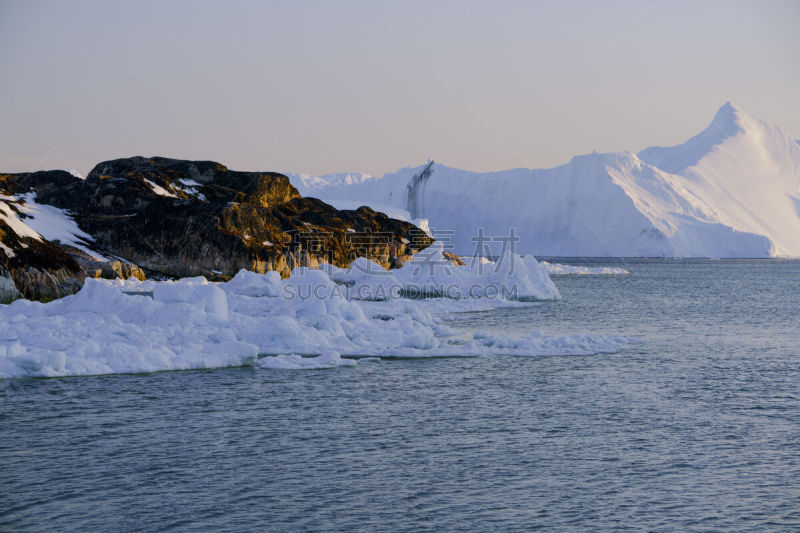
(333, 86)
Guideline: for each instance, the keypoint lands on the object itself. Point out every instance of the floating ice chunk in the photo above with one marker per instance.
(539, 286)
(559, 269)
(537, 344)
(297, 362)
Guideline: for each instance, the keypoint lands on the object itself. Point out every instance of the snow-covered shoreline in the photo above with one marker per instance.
(263, 321)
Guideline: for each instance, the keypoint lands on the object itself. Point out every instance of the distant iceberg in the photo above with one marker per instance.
(731, 191)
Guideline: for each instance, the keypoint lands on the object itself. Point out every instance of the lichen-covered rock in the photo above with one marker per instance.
(177, 218)
(453, 258)
(111, 269)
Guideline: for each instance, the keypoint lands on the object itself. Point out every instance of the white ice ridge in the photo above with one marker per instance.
(255, 319)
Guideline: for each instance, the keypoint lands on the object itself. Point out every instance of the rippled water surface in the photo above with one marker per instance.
(696, 428)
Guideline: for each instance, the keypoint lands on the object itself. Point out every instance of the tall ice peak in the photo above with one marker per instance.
(728, 121)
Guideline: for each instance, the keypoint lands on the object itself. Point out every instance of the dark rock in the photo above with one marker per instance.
(453, 258)
(111, 269)
(177, 218)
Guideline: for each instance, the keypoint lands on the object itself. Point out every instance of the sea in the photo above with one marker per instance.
(696, 427)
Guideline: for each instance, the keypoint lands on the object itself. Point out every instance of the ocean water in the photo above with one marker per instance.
(695, 428)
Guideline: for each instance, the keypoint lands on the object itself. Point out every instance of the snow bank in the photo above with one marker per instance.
(116, 326)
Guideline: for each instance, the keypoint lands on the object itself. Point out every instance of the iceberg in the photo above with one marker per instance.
(731, 191)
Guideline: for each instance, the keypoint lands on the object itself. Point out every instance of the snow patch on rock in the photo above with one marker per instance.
(159, 190)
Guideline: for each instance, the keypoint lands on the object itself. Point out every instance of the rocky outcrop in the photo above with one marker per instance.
(176, 218)
(111, 269)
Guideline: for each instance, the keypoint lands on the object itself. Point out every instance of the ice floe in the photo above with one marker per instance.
(313, 319)
(298, 362)
(557, 269)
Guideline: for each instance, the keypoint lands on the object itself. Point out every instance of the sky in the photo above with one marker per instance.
(334, 86)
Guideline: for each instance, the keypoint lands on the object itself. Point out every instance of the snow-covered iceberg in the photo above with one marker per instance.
(509, 277)
(261, 320)
(731, 191)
